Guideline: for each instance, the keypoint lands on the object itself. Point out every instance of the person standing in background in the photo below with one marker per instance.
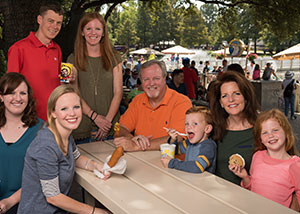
(289, 85)
(38, 58)
(190, 78)
(99, 79)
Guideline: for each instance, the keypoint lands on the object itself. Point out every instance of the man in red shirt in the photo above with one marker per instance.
(190, 78)
(38, 58)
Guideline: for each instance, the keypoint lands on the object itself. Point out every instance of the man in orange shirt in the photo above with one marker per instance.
(149, 112)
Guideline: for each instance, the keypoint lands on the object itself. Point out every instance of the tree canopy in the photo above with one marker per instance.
(149, 22)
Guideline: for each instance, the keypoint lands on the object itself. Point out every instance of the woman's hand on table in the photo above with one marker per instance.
(165, 161)
(101, 211)
(99, 167)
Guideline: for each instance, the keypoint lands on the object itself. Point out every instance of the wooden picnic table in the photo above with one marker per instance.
(147, 187)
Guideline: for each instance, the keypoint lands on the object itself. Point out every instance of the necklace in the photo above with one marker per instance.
(94, 69)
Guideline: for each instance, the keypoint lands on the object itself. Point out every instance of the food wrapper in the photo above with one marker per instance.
(119, 168)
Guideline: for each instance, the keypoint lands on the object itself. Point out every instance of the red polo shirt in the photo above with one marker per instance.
(40, 65)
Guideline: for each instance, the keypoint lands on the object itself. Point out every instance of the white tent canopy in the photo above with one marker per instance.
(221, 51)
(146, 51)
(178, 50)
(290, 53)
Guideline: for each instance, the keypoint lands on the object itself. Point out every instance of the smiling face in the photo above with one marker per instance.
(273, 136)
(16, 102)
(196, 127)
(153, 82)
(67, 112)
(93, 32)
(49, 26)
(232, 100)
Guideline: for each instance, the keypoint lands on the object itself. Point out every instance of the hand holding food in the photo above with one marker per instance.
(237, 159)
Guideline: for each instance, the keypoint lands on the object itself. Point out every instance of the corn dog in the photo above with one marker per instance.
(119, 152)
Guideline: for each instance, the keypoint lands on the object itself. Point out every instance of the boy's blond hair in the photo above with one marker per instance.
(202, 110)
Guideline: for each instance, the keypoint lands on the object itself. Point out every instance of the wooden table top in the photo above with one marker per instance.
(147, 187)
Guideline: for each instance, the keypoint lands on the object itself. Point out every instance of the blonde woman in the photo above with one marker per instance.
(51, 159)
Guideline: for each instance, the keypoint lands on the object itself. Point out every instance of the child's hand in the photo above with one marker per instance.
(238, 170)
(172, 133)
(165, 161)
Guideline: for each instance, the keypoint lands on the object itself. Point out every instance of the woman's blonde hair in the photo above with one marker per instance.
(80, 49)
(277, 115)
(54, 96)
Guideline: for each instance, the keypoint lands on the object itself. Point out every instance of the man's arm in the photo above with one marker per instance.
(14, 61)
(137, 143)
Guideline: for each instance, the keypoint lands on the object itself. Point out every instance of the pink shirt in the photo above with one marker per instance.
(275, 179)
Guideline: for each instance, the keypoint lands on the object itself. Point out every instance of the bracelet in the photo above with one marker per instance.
(87, 163)
(93, 210)
(95, 117)
(92, 114)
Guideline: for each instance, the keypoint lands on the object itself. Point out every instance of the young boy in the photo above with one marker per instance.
(199, 149)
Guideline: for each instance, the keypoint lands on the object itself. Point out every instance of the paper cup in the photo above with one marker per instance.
(167, 150)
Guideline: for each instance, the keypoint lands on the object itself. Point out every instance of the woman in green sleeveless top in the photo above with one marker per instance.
(234, 108)
(99, 78)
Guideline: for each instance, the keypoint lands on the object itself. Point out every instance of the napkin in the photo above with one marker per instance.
(119, 168)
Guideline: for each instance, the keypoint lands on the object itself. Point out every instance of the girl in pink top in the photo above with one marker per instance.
(275, 167)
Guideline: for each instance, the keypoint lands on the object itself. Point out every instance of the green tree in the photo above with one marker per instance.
(113, 24)
(143, 25)
(194, 29)
(126, 33)
(163, 21)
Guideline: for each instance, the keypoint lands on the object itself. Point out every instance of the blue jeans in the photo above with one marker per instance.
(289, 101)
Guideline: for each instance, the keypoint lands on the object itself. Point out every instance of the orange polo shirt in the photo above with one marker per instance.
(141, 118)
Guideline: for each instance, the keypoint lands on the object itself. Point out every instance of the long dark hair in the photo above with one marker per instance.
(8, 83)
(220, 116)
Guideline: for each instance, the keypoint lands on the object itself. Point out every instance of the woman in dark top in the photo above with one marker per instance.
(18, 127)
(234, 109)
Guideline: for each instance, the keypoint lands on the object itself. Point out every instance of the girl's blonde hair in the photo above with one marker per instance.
(80, 49)
(277, 115)
(54, 96)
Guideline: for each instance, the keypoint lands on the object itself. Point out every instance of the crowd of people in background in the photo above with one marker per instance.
(42, 120)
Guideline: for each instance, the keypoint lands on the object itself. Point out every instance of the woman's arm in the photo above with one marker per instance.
(84, 162)
(66, 203)
(118, 91)
(9, 202)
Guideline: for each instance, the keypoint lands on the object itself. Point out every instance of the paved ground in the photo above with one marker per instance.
(296, 127)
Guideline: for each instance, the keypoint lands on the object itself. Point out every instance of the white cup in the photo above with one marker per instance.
(167, 150)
